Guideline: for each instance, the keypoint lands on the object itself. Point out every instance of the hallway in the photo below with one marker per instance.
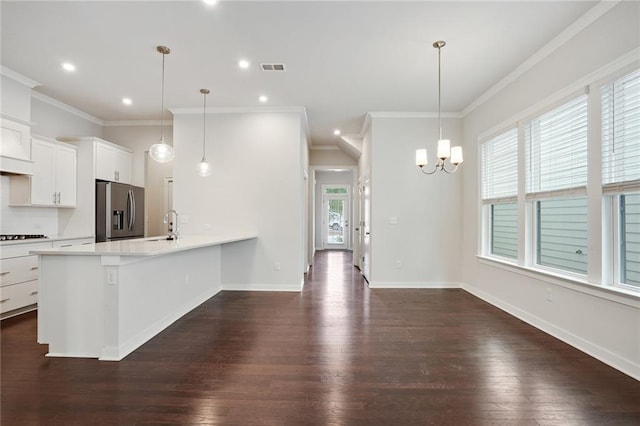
(336, 353)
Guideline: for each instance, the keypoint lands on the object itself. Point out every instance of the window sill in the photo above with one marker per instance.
(614, 294)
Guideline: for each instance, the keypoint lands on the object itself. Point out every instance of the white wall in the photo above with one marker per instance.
(149, 174)
(54, 122)
(330, 157)
(256, 185)
(427, 238)
(599, 323)
(324, 178)
(15, 98)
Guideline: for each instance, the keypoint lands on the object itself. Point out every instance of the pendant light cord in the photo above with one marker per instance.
(439, 94)
(162, 104)
(204, 125)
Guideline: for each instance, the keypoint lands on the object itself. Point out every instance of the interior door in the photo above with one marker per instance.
(336, 221)
(364, 226)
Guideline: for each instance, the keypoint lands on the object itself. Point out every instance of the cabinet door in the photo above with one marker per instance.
(122, 166)
(104, 162)
(43, 179)
(66, 172)
(14, 140)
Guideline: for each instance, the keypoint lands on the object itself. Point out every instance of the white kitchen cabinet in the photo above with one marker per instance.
(54, 180)
(15, 147)
(19, 278)
(113, 163)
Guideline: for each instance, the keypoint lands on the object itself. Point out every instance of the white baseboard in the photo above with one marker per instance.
(414, 284)
(263, 287)
(624, 365)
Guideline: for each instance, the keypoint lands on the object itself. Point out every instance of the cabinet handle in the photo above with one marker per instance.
(33, 293)
(54, 198)
(33, 268)
(5, 273)
(66, 245)
(116, 175)
(58, 198)
(5, 300)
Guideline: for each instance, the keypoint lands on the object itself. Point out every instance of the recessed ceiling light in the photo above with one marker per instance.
(127, 101)
(337, 132)
(243, 63)
(210, 2)
(68, 66)
(263, 98)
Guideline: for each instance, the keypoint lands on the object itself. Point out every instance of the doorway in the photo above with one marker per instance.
(335, 220)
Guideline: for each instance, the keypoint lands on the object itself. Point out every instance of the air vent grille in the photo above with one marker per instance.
(272, 67)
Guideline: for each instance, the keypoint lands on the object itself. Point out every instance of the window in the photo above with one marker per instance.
(541, 204)
(499, 192)
(621, 170)
(630, 239)
(556, 165)
(562, 234)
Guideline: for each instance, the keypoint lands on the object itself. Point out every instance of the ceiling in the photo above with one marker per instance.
(343, 58)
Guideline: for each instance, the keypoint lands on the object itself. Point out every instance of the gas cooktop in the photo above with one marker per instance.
(12, 237)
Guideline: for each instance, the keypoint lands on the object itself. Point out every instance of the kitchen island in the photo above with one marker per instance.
(104, 300)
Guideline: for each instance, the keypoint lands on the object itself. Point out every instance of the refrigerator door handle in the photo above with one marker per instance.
(129, 209)
(133, 204)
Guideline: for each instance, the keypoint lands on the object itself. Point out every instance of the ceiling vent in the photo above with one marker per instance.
(272, 67)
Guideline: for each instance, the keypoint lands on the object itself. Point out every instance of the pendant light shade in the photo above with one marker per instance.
(204, 168)
(162, 152)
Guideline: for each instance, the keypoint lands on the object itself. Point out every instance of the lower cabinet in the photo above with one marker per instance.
(19, 275)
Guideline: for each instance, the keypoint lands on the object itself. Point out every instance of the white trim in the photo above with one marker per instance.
(571, 31)
(414, 114)
(566, 93)
(25, 81)
(324, 148)
(17, 120)
(124, 123)
(68, 108)
(414, 284)
(237, 110)
(624, 365)
(262, 287)
(610, 293)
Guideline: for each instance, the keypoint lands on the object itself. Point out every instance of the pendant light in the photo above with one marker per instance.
(204, 168)
(161, 152)
(444, 145)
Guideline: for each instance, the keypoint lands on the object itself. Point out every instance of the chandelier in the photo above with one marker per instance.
(445, 150)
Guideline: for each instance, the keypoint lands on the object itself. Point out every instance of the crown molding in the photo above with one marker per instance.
(560, 40)
(68, 108)
(25, 81)
(237, 110)
(125, 123)
(413, 114)
(324, 148)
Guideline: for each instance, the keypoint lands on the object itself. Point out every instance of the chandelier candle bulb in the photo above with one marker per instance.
(421, 157)
(456, 155)
(444, 149)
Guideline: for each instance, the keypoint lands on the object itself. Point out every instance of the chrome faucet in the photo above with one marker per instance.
(173, 226)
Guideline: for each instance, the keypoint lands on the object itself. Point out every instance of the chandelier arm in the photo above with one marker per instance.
(435, 169)
(455, 168)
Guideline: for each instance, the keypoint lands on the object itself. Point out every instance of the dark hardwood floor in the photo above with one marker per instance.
(337, 353)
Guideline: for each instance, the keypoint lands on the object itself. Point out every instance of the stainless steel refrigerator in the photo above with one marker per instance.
(119, 211)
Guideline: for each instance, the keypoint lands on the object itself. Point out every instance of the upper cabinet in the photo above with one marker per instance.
(112, 162)
(15, 147)
(54, 180)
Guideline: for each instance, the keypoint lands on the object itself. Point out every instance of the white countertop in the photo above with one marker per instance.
(45, 240)
(152, 246)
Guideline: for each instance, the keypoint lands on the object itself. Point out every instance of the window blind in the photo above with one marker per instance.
(500, 166)
(556, 148)
(621, 130)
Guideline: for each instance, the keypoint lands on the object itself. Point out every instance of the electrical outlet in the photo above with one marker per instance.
(206, 227)
(548, 294)
(276, 266)
(398, 264)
